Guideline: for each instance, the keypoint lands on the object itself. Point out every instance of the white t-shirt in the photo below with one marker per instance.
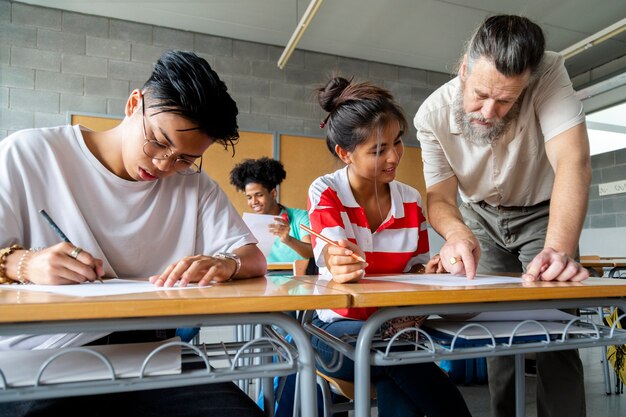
(137, 228)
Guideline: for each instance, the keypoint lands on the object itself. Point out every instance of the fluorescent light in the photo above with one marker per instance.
(297, 34)
(594, 39)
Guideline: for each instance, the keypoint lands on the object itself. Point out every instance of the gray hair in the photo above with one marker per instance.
(513, 43)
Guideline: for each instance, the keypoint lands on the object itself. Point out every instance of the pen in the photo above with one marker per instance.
(330, 242)
(59, 232)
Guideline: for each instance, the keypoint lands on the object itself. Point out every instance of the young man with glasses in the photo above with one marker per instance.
(136, 202)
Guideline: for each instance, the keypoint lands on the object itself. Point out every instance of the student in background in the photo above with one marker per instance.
(370, 214)
(258, 179)
(136, 201)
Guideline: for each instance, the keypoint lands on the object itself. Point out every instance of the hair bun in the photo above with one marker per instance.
(329, 94)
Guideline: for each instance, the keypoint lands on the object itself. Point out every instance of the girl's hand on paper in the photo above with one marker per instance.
(55, 266)
(343, 267)
(200, 269)
(435, 266)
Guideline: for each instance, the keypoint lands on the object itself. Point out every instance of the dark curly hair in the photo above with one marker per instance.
(265, 171)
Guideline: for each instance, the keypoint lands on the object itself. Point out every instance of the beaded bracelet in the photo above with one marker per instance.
(22, 267)
(4, 254)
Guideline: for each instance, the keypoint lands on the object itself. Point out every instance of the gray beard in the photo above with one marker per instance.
(482, 135)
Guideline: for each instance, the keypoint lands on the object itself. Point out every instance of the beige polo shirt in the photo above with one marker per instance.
(513, 171)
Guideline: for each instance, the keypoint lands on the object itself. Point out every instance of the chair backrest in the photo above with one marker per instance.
(343, 387)
(305, 267)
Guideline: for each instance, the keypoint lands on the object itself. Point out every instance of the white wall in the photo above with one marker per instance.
(604, 242)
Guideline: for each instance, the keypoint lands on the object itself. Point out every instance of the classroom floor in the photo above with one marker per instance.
(598, 403)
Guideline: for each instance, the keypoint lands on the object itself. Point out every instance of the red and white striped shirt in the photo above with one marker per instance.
(400, 242)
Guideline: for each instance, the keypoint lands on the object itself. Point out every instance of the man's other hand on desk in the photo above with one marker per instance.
(550, 265)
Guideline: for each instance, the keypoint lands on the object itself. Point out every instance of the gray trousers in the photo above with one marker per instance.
(509, 239)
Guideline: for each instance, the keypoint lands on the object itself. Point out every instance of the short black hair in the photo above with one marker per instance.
(185, 84)
(265, 171)
(514, 44)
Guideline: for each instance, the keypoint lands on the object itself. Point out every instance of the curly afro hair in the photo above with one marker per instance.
(265, 171)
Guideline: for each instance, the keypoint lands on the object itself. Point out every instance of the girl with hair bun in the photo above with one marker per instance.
(369, 213)
(258, 179)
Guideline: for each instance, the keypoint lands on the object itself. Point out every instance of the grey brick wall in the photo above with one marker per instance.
(608, 210)
(55, 61)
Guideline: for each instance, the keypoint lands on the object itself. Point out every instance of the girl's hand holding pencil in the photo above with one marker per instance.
(345, 260)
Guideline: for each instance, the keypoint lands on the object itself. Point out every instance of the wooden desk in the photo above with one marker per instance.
(615, 264)
(372, 293)
(257, 301)
(402, 299)
(241, 296)
(280, 266)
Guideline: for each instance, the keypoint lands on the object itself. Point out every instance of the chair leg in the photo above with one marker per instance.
(607, 372)
(296, 398)
(605, 363)
(326, 397)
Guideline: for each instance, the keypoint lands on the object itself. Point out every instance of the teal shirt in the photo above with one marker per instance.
(281, 252)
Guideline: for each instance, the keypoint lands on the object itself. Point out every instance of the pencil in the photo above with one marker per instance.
(327, 240)
(54, 226)
(59, 232)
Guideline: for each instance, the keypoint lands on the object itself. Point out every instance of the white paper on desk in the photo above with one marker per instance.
(503, 329)
(447, 280)
(539, 315)
(20, 367)
(115, 286)
(259, 225)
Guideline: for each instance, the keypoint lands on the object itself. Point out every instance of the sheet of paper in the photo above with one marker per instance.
(126, 359)
(447, 280)
(115, 286)
(502, 329)
(545, 314)
(259, 225)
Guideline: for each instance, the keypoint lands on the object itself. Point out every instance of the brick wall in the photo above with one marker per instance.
(610, 210)
(53, 62)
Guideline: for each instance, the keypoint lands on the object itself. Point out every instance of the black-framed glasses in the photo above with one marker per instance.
(159, 151)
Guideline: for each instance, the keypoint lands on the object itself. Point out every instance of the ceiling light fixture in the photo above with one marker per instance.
(594, 39)
(310, 11)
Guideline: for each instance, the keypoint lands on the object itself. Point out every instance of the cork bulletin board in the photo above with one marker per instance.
(306, 158)
(218, 162)
(95, 122)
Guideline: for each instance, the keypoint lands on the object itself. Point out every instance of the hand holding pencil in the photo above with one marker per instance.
(342, 258)
(63, 263)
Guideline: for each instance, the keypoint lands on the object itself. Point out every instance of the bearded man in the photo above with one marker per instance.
(508, 134)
